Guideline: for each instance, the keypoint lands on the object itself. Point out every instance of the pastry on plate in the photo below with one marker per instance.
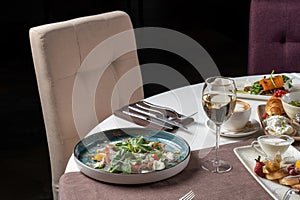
(274, 106)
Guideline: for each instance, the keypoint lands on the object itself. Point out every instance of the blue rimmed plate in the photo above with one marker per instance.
(91, 143)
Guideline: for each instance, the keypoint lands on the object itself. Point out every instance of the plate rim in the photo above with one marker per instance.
(253, 96)
(237, 135)
(141, 178)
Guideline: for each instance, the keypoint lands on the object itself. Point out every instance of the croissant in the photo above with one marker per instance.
(274, 106)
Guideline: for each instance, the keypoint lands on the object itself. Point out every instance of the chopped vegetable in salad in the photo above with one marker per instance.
(295, 103)
(133, 155)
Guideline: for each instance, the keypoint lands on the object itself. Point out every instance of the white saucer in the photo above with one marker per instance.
(242, 133)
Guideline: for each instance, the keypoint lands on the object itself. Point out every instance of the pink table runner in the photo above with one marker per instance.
(237, 184)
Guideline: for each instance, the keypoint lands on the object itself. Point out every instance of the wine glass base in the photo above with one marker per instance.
(216, 166)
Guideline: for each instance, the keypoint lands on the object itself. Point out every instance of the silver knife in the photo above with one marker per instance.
(171, 122)
(147, 119)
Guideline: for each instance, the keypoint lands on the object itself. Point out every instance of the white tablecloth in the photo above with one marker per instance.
(187, 100)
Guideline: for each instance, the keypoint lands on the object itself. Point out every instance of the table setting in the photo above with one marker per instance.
(204, 144)
(155, 116)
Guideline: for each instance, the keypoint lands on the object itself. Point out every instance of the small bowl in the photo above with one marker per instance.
(289, 109)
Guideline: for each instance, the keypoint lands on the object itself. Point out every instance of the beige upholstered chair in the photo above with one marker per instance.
(66, 58)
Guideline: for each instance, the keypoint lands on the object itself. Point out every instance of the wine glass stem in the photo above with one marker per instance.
(218, 130)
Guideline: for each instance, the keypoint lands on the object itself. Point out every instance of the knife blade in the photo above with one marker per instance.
(147, 119)
(153, 116)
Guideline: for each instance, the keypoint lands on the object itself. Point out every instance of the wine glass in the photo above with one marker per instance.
(218, 101)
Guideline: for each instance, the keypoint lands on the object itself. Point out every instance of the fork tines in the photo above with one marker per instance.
(188, 196)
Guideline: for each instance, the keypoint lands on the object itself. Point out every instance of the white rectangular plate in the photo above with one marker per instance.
(244, 81)
(247, 155)
(253, 96)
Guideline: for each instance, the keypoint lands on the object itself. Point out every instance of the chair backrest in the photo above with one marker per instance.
(274, 35)
(60, 51)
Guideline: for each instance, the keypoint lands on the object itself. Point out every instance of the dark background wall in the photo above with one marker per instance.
(221, 27)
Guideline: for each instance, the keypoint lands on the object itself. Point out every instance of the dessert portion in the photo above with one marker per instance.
(279, 125)
(283, 171)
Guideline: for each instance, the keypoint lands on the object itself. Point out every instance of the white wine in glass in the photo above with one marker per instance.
(218, 101)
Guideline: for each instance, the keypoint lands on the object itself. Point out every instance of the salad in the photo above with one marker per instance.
(295, 103)
(133, 155)
(274, 85)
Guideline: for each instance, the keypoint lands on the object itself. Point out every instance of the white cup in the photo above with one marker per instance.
(239, 117)
(271, 145)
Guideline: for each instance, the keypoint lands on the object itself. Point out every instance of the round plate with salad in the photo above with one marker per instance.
(131, 155)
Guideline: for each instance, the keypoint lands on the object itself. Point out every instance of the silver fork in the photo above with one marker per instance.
(162, 118)
(161, 114)
(188, 196)
(290, 193)
(164, 108)
(178, 115)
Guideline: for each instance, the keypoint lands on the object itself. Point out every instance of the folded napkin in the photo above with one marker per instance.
(141, 122)
(236, 184)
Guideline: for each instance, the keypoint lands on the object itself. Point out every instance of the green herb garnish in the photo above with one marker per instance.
(271, 78)
(120, 162)
(135, 145)
(288, 80)
(256, 88)
(295, 103)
